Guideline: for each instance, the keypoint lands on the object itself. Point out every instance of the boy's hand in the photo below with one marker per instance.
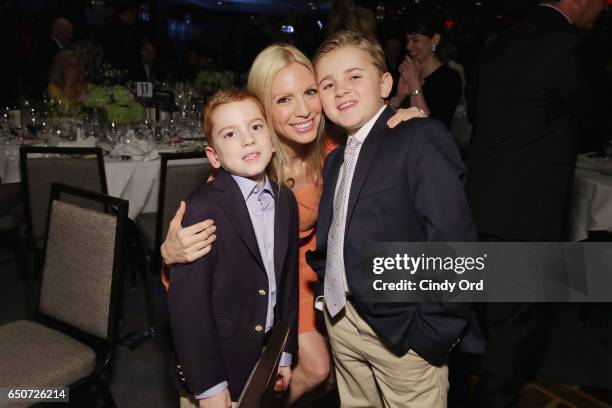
(283, 380)
(220, 400)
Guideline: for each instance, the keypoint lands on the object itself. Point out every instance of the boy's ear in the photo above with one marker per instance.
(212, 157)
(386, 83)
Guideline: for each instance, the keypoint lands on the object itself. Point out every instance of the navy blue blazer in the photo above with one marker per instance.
(407, 187)
(218, 303)
(531, 109)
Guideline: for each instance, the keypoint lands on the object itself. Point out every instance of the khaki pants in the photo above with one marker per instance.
(369, 375)
(191, 402)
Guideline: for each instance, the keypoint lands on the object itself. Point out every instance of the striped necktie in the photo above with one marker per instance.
(335, 286)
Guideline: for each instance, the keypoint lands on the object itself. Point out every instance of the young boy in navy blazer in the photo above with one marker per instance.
(387, 185)
(223, 306)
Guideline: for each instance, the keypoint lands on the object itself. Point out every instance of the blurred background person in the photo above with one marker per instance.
(66, 81)
(345, 15)
(121, 45)
(148, 70)
(425, 81)
(528, 106)
(45, 50)
(191, 65)
(91, 53)
(394, 54)
(14, 50)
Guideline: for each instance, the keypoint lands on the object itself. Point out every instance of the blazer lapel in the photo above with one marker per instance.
(236, 210)
(326, 205)
(364, 161)
(281, 233)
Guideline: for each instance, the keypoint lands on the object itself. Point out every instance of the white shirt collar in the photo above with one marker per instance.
(365, 129)
(248, 186)
(552, 6)
(59, 44)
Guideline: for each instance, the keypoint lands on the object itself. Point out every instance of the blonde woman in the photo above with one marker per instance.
(66, 81)
(284, 81)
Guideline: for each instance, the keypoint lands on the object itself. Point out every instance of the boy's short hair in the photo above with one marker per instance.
(223, 97)
(347, 38)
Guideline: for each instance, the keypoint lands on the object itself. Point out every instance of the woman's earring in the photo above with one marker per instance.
(433, 47)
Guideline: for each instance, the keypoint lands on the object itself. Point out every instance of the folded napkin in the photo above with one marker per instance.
(600, 164)
(136, 149)
(87, 142)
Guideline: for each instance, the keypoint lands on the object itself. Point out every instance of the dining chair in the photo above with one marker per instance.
(181, 174)
(69, 342)
(81, 167)
(40, 167)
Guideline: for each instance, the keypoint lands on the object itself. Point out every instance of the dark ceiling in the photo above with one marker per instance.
(390, 8)
(266, 6)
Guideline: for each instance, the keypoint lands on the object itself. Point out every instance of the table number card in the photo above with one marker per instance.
(144, 89)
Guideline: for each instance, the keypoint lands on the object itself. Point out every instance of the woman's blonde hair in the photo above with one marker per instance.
(56, 76)
(261, 76)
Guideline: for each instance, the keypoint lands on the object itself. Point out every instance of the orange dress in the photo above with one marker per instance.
(308, 208)
(308, 198)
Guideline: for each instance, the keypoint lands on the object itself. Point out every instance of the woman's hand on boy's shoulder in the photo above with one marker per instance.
(183, 245)
(402, 115)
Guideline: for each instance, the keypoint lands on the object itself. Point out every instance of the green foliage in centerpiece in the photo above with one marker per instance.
(209, 82)
(118, 103)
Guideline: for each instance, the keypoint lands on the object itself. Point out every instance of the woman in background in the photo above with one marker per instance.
(66, 81)
(425, 81)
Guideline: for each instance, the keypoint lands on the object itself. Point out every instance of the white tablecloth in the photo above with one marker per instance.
(135, 181)
(592, 204)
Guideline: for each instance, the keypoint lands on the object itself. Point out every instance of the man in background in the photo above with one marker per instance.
(46, 49)
(121, 45)
(535, 89)
(147, 70)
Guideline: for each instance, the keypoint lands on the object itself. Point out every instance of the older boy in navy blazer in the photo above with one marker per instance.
(387, 185)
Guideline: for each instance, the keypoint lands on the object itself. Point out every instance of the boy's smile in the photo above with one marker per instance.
(241, 140)
(351, 87)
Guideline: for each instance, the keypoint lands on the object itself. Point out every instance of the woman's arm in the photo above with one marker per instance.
(185, 245)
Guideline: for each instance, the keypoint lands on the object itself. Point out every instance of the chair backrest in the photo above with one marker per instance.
(84, 258)
(41, 166)
(263, 376)
(181, 174)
